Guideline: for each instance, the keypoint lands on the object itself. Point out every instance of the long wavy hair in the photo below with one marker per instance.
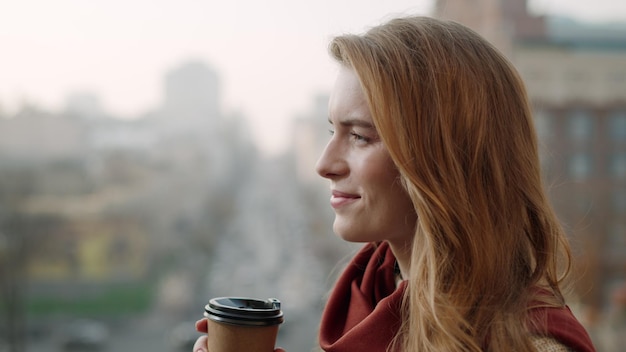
(455, 118)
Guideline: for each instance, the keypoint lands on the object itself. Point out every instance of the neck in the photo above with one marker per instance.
(402, 252)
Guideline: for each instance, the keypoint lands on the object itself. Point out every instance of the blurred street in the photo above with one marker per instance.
(155, 334)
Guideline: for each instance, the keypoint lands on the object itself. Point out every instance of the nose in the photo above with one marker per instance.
(331, 164)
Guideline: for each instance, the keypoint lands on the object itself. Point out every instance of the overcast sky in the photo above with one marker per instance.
(270, 55)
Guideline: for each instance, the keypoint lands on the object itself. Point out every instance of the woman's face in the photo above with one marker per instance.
(370, 203)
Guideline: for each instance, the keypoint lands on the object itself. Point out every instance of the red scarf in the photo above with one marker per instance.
(363, 311)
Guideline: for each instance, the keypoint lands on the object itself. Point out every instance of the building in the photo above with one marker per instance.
(310, 139)
(576, 79)
(33, 135)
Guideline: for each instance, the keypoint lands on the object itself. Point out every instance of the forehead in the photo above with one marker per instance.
(347, 99)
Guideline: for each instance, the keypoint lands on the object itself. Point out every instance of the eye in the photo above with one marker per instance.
(359, 138)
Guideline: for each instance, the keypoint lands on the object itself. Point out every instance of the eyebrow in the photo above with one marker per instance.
(353, 122)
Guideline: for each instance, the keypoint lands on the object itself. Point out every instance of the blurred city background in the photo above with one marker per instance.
(118, 221)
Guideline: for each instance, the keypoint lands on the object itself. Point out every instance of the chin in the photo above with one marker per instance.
(352, 239)
(351, 231)
(350, 235)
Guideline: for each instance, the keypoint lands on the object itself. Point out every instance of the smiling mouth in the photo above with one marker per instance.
(340, 199)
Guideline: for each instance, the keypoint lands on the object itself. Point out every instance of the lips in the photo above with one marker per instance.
(339, 199)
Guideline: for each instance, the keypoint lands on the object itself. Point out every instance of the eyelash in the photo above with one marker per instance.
(353, 135)
(358, 137)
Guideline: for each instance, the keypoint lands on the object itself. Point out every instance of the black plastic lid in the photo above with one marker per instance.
(244, 311)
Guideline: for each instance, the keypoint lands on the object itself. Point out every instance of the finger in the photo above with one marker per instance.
(202, 325)
(201, 344)
(279, 350)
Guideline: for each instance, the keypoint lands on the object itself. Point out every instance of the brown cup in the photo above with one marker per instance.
(238, 324)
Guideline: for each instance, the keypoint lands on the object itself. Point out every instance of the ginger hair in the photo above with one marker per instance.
(454, 115)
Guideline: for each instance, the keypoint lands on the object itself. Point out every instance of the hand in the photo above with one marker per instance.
(201, 342)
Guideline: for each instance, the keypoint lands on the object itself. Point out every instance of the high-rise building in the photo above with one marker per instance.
(193, 88)
(576, 79)
(191, 102)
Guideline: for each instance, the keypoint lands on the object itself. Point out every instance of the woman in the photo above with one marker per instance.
(433, 163)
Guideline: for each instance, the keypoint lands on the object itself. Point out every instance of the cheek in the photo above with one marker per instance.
(396, 196)
(399, 198)
(389, 190)
(380, 175)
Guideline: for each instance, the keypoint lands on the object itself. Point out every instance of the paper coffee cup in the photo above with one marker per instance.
(239, 324)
